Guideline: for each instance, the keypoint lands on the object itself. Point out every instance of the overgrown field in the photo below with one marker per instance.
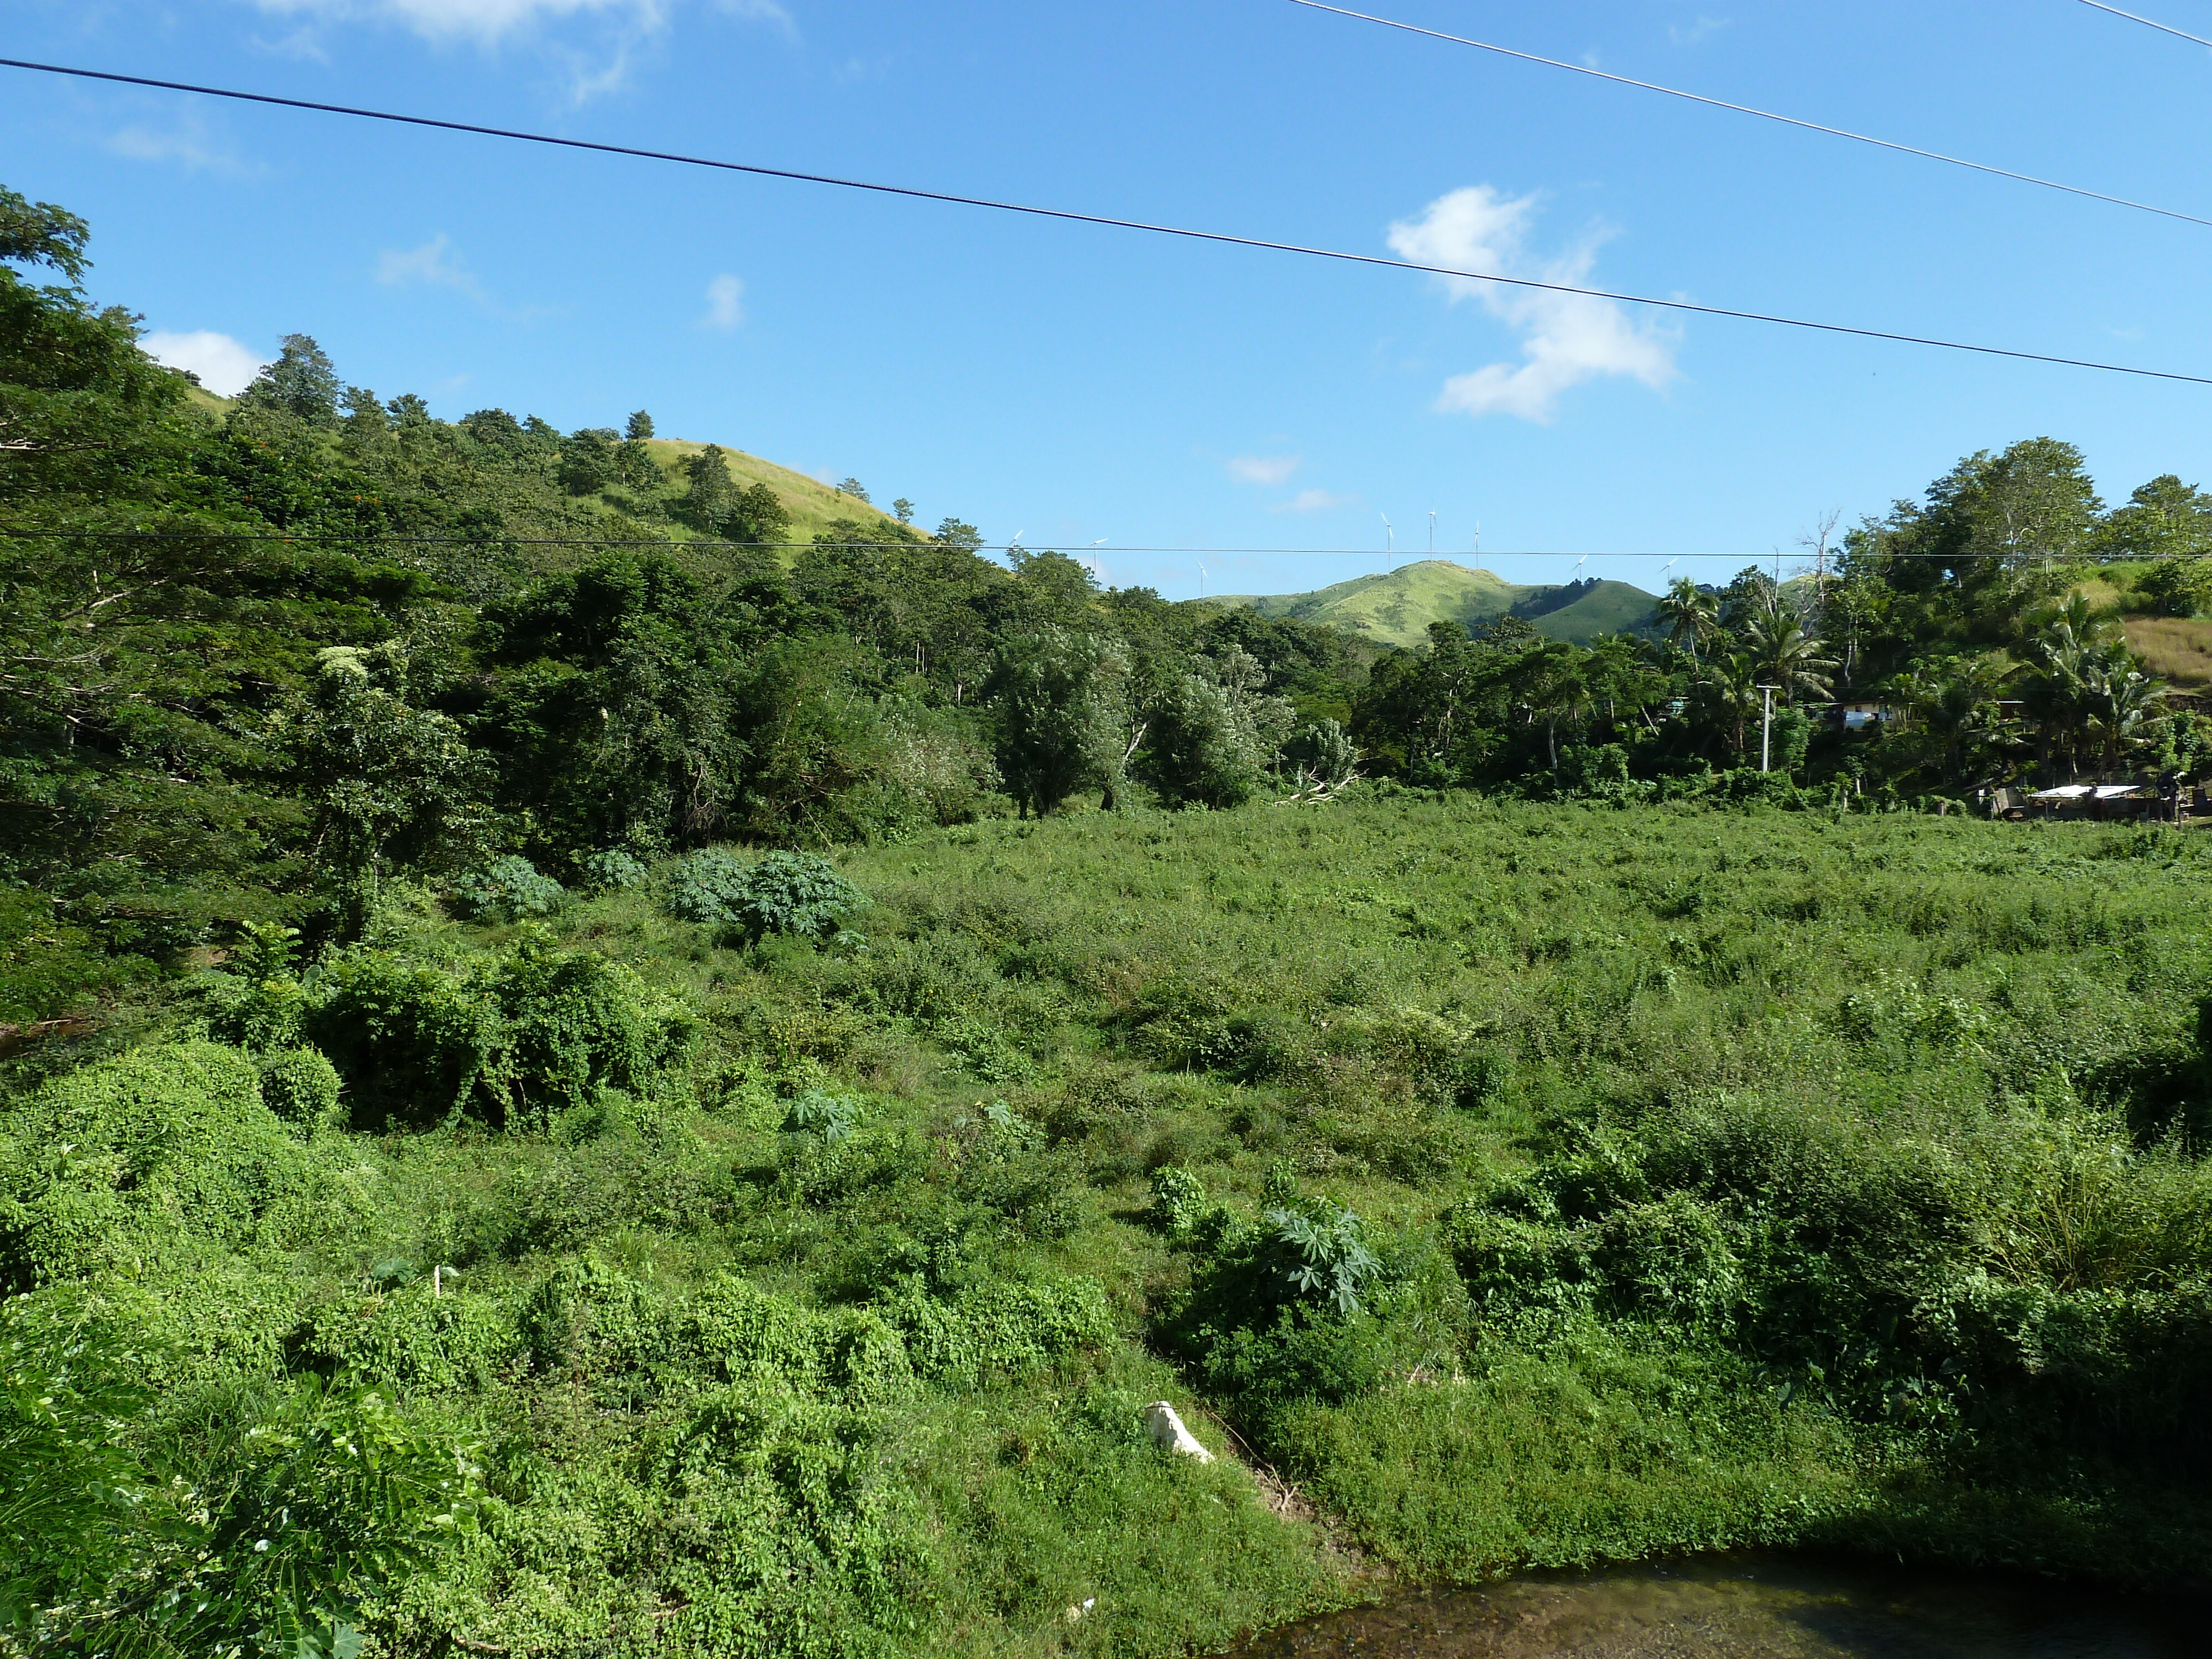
(1490, 1184)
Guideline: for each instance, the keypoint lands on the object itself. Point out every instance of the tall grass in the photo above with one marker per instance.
(1543, 1184)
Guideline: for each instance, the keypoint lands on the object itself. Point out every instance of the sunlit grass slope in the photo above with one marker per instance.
(1396, 609)
(1413, 1008)
(1722, 1178)
(813, 505)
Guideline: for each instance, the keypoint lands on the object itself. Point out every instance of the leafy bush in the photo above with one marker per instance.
(795, 893)
(122, 1160)
(821, 1116)
(1178, 1201)
(2177, 587)
(302, 1504)
(301, 1086)
(509, 889)
(615, 870)
(1320, 1252)
(511, 1040)
(999, 1331)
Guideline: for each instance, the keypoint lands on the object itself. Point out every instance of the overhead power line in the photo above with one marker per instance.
(1070, 217)
(1765, 114)
(2149, 23)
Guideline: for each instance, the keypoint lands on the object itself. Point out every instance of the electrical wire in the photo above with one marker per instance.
(2149, 23)
(1070, 217)
(1765, 114)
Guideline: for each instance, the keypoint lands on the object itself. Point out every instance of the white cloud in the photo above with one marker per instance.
(189, 141)
(1313, 501)
(224, 367)
(726, 303)
(1262, 469)
(1566, 338)
(431, 264)
(485, 22)
(490, 22)
(1689, 35)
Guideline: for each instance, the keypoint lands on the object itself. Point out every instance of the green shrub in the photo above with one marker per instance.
(511, 1040)
(1178, 1200)
(1319, 1254)
(616, 870)
(301, 1086)
(999, 1331)
(509, 889)
(1670, 1260)
(824, 1117)
(131, 1156)
(265, 1535)
(2177, 587)
(409, 1339)
(794, 893)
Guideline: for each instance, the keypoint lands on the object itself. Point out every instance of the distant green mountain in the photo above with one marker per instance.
(1397, 609)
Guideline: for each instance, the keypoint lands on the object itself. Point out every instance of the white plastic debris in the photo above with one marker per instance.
(1167, 1430)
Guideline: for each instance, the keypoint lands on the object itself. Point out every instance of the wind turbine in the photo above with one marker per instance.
(1201, 582)
(1579, 563)
(1390, 538)
(1666, 567)
(1432, 533)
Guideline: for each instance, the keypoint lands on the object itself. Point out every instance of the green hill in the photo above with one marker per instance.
(1397, 609)
(813, 505)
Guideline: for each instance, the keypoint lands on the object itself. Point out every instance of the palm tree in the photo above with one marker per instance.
(1729, 689)
(1688, 614)
(2122, 703)
(1959, 717)
(1788, 659)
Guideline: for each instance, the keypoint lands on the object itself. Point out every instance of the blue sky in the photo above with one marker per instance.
(1074, 384)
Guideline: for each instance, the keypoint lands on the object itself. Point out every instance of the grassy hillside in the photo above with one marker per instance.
(1396, 609)
(2176, 648)
(1608, 607)
(813, 504)
(1660, 1179)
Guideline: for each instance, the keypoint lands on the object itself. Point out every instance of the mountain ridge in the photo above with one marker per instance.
(1397, 607)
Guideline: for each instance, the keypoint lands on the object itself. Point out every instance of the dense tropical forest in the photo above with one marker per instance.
(587, 1073)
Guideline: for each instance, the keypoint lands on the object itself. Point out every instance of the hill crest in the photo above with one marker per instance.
(1395, 608)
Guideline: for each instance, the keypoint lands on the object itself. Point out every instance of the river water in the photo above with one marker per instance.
(1757, 1608)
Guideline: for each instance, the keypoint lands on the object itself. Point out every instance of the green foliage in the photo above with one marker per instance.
(135, 1156)
(1319, 1251)
(794, 893)
(1178, 1201)
(1060, 711)
(301, 1086)
(510, 1041)
(2178, 587)
(614, 870)
(266, 1538)
(509, 889)
(824, 1117)
(998, 1332)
